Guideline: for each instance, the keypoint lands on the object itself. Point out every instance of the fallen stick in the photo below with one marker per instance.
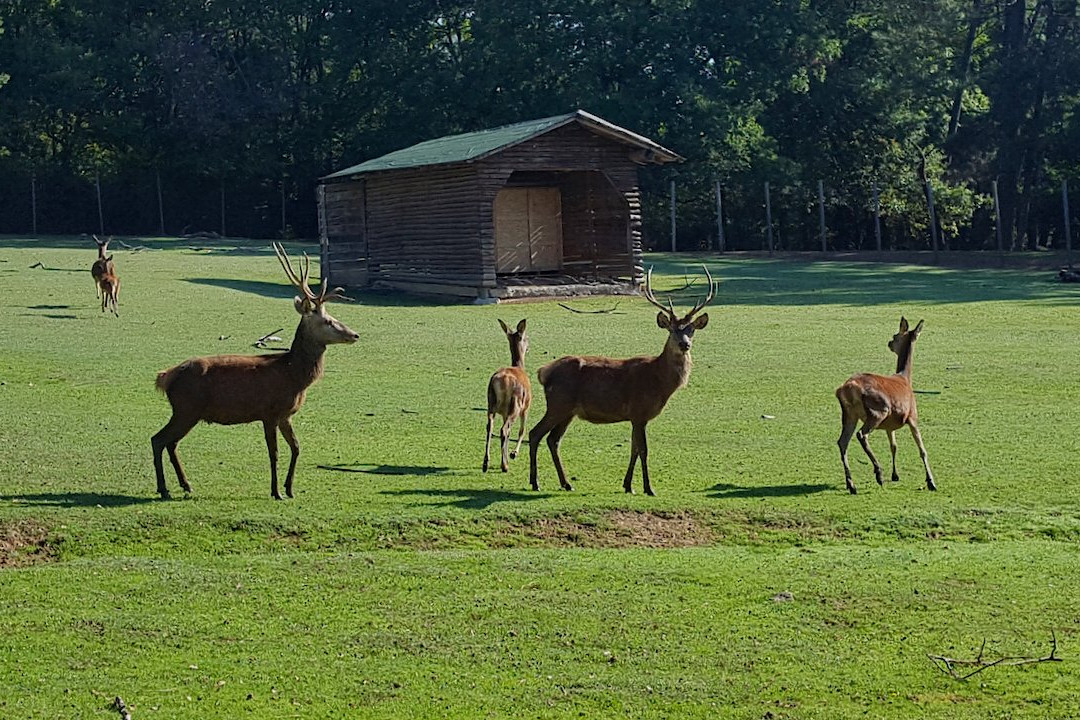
(121, 708)
(589, 312)
(948, 665)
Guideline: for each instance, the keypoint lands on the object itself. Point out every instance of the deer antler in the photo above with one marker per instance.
(708, 298)
(301, 282)
(670, 309)
(648, 292)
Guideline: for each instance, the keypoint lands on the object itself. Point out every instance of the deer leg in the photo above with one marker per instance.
(639, 448)
(521, 434)
(487, 440)
(554, 438)
(861, 436)
(270, 433)
(173, 432)
(922, 453)
(294, 449)
(848, 430)
(504, 441)
(892, 449)
(538, 432)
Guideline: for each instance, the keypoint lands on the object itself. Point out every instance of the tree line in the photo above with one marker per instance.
(230, 112)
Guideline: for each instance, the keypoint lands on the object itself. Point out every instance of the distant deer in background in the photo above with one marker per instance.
(606, 390)
(102, 265)
(509, 394)
(885, 402)
(234, 389)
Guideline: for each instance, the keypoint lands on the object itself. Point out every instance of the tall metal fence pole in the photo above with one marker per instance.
(768, 218)
(997, 218)
(821, 213)
(160, 204)
(673, 246)
(33, 204)
(1068, 228)
(933, 219)
(877, 218)
(100, 214)
(719, 219)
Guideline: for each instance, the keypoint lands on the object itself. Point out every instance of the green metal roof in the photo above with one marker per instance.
(476, 145)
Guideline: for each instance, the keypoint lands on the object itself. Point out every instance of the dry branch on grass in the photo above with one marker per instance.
(589, 312)
(267, 338)
(951, 666)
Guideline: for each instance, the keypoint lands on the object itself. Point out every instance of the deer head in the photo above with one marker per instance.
(905, 337)
(317, 324)
(519, 341)
(103, 247)
(680, 330)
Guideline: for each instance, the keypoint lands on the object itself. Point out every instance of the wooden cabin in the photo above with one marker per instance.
(544, 207)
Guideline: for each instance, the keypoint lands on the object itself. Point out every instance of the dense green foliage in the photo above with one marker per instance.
(403, 582)
(255, 101)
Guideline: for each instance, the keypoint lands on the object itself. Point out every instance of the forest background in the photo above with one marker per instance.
(193, 115)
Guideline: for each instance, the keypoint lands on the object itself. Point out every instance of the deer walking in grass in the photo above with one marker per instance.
(106, 282)
(885, 402)
(509, 394)
(234, 389)
(608, 390)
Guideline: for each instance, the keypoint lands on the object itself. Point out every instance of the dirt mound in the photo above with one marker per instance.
(23, 542)
(616, 529)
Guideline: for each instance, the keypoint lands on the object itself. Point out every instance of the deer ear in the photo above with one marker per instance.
(918, 329)
(521, 327)
(903, 324)
(302, 305)
(503, 326)
(663, 320)
(701, 321)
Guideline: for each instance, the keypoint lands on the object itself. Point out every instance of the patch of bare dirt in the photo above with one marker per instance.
(24, 543)
(616, 529)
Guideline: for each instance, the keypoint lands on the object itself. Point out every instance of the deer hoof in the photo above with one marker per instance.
(649, 492)
(513, 455)
(930, 484)
(852, 490)
(165, 495)
(895, 478)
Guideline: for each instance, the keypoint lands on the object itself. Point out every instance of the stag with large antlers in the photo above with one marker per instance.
(607, 390)
(886, 402)
(234, 389)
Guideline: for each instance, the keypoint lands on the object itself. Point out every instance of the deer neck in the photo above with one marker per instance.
(903, 361)
(305, 358)
(517, 358)
(675, 366)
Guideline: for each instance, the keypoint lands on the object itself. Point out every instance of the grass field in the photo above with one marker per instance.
(403, 582)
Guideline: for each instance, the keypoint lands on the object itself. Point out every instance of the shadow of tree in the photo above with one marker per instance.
(468, 498)
(725, 491)
(76, 500)
(370, 469)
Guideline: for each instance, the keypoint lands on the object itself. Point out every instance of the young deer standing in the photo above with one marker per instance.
(509, 394)
(882, 402)
(102, 265)
(234, 389)
(109, 284)
(606, 390)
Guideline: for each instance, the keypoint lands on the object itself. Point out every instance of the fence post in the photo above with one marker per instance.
(100, 214)
(33, 204)
(997, 217)
(933, 219)
(821, 212)
(1068, 228)
(672, 186)
(877, 217)
(160, 204)
(719, 219)
(768, 217)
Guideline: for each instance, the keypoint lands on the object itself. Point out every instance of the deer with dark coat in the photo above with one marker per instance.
(886, 402)
(509, 394)
(608, 390)
(234, 389)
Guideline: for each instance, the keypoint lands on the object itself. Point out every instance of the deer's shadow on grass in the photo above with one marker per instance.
(68, 500)
(468, 498)
(371, 469)
(725, 491)
(370, 298)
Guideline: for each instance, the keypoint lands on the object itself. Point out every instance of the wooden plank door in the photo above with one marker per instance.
(528, 229)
